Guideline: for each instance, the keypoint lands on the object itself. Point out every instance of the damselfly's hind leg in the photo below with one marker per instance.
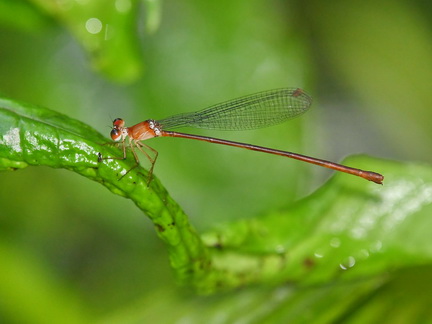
(152, 160)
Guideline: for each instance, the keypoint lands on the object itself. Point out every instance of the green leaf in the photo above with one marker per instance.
(107, 31)
(349, 229)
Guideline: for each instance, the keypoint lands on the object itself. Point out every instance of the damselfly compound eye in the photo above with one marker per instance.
(115, 134)
(118, 122)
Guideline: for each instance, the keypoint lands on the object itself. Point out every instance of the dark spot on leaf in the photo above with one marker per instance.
(218, 245)
(219, 284)
(160, 228)
(205, 265)
(309, 263)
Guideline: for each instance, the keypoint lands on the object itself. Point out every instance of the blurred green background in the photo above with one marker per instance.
(89, 254)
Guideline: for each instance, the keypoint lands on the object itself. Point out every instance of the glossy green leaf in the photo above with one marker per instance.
(348, 229)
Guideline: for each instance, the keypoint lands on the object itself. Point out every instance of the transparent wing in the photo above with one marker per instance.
(258, 110)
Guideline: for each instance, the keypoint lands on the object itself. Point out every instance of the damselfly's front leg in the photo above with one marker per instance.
(132, 145)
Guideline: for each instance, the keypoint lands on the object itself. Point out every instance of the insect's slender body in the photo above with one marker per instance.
(250, 112)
